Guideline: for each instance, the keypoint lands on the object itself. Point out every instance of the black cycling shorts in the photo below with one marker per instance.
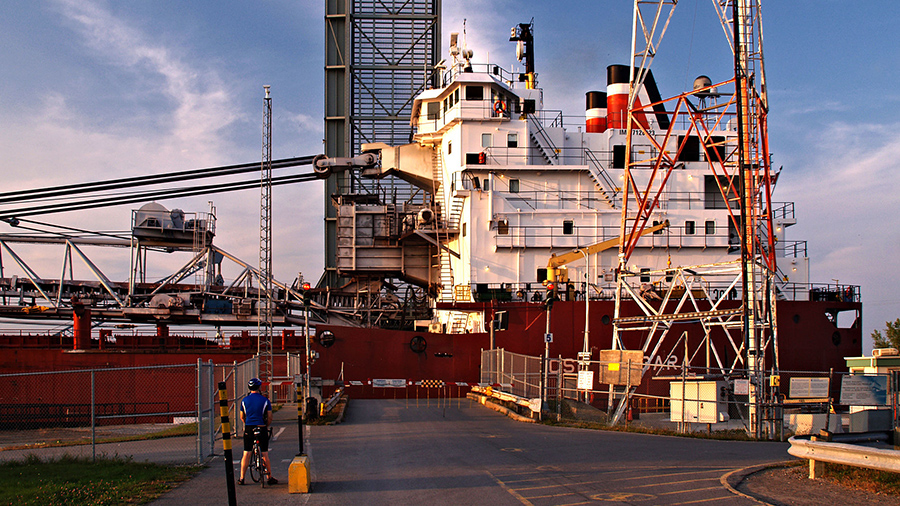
(263, 437)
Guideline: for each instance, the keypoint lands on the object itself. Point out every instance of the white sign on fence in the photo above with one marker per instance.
(585, 380)
(389, 383)
(809, 388)
(741, 387)
(858, 390)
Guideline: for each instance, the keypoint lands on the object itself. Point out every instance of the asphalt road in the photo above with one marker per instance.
(395, 452)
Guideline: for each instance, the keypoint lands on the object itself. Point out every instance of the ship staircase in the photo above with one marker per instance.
(602, 181)
(545, 146)
(448, 227)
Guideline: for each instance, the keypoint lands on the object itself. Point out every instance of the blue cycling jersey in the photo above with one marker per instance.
(254, 407)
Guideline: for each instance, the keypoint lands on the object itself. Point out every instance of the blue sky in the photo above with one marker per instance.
(93, 89)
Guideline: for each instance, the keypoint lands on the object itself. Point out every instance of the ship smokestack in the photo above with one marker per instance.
(595, 111)
(617, 100)
(617, 96)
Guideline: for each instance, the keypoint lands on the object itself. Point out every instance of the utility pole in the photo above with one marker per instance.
(264, 299)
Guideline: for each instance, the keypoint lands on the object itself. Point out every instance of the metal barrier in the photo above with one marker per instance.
(818, 452)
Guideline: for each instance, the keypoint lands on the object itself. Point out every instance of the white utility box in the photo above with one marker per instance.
(698, 401)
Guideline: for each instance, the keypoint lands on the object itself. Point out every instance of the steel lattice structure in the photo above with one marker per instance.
(739, 165)
(379, 54)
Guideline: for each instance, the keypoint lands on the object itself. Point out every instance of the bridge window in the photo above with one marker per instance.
(568, 227)
(513, 186)
(485, 140)
(689, 228)
(474, 93)
(503, 227)
(710, 227)
(434, 110)
(512, 140)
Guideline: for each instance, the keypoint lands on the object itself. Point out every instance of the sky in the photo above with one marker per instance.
(98, 89)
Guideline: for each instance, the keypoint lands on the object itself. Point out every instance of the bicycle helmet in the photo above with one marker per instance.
(254, 384)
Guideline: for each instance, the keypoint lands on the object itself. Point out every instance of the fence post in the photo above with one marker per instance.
(93, 420)
(559, 387)
(199, 412)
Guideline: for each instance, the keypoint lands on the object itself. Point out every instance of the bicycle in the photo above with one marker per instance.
(257, 467)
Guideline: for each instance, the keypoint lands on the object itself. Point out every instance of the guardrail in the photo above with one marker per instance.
(819, 452)
(332, 402)
(505, 396)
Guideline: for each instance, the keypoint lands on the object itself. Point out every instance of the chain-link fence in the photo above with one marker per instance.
(156, 413)
(688, 398)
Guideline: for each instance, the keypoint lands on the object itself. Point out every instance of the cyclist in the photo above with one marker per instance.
(256, 412)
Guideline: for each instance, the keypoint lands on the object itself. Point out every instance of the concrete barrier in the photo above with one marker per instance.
(298, 475)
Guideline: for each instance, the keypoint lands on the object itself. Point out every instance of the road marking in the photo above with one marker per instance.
(688, 491)
(622, 496)
(511, 491)
(674, 474)
(275, 437)
(672, 483)
(728, 497)
(512, 450)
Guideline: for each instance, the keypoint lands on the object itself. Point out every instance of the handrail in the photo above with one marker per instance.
(610, 185)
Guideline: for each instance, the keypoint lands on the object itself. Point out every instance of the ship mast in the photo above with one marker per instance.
(744, 183)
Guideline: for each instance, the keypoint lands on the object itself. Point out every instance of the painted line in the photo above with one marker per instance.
(687, 491)
(509, 490)
(711, 499)
(681, 482)
(569, 484)
(275, 437)
(674, 474)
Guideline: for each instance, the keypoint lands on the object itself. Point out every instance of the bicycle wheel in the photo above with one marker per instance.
(256, 463)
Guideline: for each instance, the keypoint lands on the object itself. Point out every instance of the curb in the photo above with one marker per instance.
(496, 407)
(733, 479)
(343, 410)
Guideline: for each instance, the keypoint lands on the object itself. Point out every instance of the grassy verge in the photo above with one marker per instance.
(71, 480)
(870, 480)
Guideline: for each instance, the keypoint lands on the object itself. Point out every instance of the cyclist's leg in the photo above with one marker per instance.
(245, 459)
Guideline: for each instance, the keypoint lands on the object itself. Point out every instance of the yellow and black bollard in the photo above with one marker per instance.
(226, 443)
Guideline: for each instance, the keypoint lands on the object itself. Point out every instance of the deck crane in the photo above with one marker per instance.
(557, 263)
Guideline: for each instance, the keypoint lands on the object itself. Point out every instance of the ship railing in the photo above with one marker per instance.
(510, 78)
(567, 235)
(791, 249)
(820, 292)
(783, 210)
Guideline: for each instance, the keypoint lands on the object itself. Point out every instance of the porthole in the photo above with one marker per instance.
(326, 338)
(418, 344)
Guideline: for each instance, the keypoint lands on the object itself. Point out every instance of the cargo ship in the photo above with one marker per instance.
(516, 242)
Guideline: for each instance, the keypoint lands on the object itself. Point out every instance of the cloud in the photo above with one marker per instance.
(845, 189)
(202, 103)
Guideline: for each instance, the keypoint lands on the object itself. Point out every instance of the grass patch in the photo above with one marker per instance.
(187, 429)
(71, 480)
(870, 480)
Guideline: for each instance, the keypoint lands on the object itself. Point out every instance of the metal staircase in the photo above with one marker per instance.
(549, 152)
(602, 181)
